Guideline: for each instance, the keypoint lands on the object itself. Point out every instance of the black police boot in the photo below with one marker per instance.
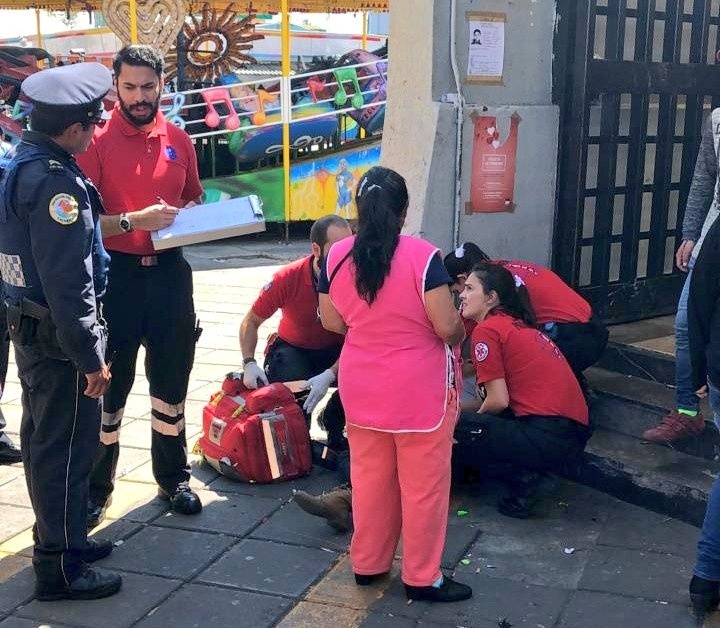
(82, 583)
(183, 499)
(523, 495)
(9, 452)
(448, 591)
(96, 549)
(96, 511)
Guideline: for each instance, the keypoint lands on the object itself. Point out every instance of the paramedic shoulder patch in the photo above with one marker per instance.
(481, 351)
(64, 209)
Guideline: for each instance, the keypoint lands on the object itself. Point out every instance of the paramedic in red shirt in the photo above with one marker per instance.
(145, 168)
(534, 417)
(561, 313)
(302, 349)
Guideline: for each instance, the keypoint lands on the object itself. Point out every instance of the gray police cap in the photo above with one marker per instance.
(75, 85)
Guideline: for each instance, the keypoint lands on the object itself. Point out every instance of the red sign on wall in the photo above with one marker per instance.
(492, 181)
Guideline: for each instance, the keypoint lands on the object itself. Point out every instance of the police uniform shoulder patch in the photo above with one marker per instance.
(64, 209)
(55, 167)
(481, 351)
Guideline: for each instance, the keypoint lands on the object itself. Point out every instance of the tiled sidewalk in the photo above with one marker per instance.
(253, 559)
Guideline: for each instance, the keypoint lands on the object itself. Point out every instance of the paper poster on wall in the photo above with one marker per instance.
(492, 180)
(486, 47)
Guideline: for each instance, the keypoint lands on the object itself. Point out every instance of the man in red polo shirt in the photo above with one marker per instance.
(303, 349)
(145, 169)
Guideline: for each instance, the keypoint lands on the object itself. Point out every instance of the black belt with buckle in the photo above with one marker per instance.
(164, 258)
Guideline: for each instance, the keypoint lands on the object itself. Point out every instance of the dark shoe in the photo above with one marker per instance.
(674, 427)
(96, 549)
(183, 500)
(89, 584)
(517, 507)
(9, 452)
(704, 595)
(364, 580)
(448, 591)
(524, 493)
(96, 511)
(335, 506)
(323, 455)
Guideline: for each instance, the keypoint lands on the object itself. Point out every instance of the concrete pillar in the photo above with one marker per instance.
(420, 130)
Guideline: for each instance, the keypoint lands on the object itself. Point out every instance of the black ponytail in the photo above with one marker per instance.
(512, 293)
(462, 260)
(382, 200)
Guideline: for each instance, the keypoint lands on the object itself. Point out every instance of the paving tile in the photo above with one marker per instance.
(168, 552)
(394, 601)
(136, 502)
(320, 616)
(292, 525)
(383, 620)
(130, 459)
(269, 567)
(17, 622)
(116, 529)
(17, 580)
(13, 415)
(9, 472)
(199, 606)
(531, 550)
(15, 493)
(20, 544)
(139, 594)
(601, 610)
(201, 475)
(338, 587)
(14, 521)
(523, 605)
(135, 433)
(318, 481)
(637, 574)
(228, 513)
(458, 541)
(636, 528)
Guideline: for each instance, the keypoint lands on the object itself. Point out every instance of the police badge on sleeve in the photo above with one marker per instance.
(64, 209)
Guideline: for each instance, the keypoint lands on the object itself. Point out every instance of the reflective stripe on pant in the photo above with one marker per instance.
(401, 486)
(152, 306)
(59, 432)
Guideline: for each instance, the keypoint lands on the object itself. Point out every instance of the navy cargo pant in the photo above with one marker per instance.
(149, 302)
(59, 433)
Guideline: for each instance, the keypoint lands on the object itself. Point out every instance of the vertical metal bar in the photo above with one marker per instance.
(664, 148)
(580, 24)
(286, 113)
(133, 21)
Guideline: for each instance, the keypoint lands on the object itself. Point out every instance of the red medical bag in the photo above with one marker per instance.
(255, 435)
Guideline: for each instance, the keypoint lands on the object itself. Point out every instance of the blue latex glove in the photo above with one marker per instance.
(318, 387)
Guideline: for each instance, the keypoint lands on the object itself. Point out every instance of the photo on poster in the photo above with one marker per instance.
(486, 47)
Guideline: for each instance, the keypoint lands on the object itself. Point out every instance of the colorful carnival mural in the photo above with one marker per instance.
(317, 186)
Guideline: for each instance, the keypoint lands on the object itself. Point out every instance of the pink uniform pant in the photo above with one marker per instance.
(401, 485)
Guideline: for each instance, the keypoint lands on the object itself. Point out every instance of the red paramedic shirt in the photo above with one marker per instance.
(538, 377)
(292, 290)
(552, 299)
(132, 169)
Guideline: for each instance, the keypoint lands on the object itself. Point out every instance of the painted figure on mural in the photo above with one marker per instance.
(345, 183)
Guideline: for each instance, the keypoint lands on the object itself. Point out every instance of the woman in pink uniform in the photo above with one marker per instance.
(389, 294)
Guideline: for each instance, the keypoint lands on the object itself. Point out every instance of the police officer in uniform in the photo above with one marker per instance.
(54, 269)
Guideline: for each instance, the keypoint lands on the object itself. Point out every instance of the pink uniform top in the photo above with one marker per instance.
(395, 372)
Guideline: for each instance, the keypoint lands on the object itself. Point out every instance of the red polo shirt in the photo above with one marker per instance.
(538, 377)
(552, 299)
(132, 169)
(293, 291)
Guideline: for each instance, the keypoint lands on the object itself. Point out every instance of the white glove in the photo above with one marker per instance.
(318, 386)
(254, 376)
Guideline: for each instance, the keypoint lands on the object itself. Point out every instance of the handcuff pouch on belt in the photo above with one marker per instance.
(31, 324)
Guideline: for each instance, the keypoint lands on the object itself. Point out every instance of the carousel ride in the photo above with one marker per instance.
(245, 119)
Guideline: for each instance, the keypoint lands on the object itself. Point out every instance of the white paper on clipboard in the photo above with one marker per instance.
(212, 221)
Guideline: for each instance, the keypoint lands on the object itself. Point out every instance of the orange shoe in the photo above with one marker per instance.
(674, 427)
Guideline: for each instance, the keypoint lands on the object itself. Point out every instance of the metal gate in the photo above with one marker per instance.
(634, 79)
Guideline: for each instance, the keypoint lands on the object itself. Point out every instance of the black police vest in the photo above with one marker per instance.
(15, 238)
